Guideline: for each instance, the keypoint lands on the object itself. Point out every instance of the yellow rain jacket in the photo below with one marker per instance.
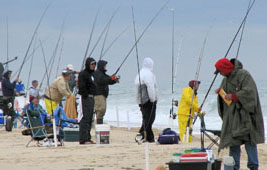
(184, 109)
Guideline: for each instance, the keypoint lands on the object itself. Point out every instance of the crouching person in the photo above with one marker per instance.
(57, 90)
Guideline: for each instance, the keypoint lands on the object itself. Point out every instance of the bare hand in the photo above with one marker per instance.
(17, 79)
(217, 90)
(228, 96)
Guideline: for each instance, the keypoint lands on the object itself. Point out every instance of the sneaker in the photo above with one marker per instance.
(87, 143)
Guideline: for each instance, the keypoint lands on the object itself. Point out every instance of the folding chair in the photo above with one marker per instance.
(37, 129)
(62, 120)
(205, 132)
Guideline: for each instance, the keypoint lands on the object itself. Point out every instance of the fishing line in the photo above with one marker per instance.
(116, 38)
(35, 32)
(90, 38)
(216, 74)
(149, 24)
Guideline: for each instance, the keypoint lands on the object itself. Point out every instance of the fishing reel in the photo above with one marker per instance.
(9, 105)
(173, 115)
(139, 139)
(175, 103)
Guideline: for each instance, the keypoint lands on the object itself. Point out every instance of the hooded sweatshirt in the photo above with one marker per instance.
(102, 79)
(86, 82)
(148, 79)
(7, 86)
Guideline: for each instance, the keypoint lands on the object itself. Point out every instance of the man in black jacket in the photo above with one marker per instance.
(103, 81)
(87, 90)
(8, 90)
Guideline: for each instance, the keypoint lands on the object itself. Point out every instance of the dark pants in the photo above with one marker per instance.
(251, 152)
(86, 121)
(149, 113)
(6, 110)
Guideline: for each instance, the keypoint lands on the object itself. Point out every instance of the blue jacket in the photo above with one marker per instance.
(7, 86)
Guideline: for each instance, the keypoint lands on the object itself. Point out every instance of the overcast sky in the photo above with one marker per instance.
(193, 18)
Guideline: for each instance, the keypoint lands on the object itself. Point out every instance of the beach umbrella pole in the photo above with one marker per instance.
(147, 155)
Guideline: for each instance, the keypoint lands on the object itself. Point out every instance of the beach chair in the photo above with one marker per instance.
(38, 130)
(208, 133)
(62, 120)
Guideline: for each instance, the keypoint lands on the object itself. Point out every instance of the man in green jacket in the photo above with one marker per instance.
(242, 119)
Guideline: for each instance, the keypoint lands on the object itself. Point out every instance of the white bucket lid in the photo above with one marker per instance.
(102, 127)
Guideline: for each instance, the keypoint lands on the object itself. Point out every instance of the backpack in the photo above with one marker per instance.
(168, 136)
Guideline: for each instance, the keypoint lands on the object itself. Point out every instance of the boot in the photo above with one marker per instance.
(99, 121)
(253, 168)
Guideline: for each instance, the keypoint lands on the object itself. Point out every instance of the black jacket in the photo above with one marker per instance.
(8, 87)
(86, 82)
(102, 79)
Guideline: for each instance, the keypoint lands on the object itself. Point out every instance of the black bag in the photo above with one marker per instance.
(168, 136)
(142, 90)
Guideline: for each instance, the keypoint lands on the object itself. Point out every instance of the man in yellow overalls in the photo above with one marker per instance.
(184, 107)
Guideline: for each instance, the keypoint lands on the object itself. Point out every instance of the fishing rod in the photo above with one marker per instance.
(116, 38)
(57, 44)
(49, 65)
(216, 73)
(103, 31)
(139, 77)
(7, 43)
(188, 131)
(241, 36)
(149, 24)
(103, 45)
(33, 36)
(172, 115)
(90, 38)
(49, 91)
(29, 75)
(59, 58)
(9, 61)
(27, 58)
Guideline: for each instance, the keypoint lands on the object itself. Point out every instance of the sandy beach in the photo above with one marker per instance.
(121, 154)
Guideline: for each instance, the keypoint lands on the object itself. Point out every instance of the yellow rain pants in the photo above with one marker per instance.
(184, 109)
(48, 104)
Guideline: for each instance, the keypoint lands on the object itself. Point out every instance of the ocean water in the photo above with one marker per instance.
(122, 100)
(121, 105)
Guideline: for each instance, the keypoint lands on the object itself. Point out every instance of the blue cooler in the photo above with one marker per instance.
(2, 119)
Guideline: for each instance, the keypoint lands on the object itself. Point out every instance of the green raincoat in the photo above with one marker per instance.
(242, 120)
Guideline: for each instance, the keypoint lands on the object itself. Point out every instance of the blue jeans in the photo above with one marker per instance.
(251, 152)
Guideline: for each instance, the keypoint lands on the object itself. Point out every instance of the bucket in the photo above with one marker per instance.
(102, 132)
(229, 163)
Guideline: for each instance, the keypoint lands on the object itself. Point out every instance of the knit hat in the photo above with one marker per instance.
(224, 66)
(192, 82)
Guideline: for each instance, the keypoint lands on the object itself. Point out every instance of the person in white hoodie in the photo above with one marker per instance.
(147, 98)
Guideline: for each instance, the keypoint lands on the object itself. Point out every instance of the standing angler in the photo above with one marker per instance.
(102, 90)
(186, 105)
(87, 90)
(9, 94)
(145, 82)
(242, 119)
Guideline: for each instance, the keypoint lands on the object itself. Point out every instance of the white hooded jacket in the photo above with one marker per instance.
(148, 78)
